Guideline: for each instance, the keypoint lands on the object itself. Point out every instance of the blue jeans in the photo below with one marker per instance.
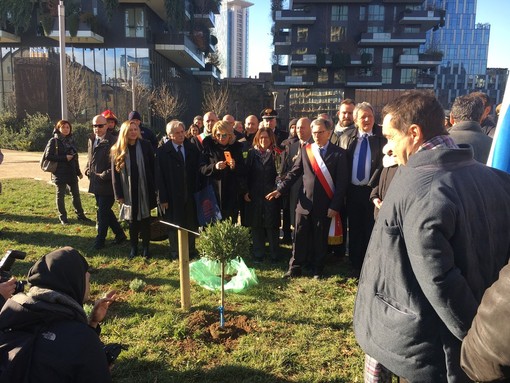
(106, 218)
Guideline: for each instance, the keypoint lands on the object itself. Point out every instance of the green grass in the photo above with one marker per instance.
(301, 330)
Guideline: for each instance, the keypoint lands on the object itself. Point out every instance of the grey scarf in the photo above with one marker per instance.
(125, 174)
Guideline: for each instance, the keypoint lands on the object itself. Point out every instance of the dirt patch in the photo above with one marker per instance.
(206, 326)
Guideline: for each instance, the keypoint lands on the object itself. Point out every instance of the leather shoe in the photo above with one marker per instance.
(133, 252)
(119, 239)
(98, 246)
(318, 276)
(64, 221)
(84, 218)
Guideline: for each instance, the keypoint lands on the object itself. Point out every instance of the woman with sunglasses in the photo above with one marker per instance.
(222, 165)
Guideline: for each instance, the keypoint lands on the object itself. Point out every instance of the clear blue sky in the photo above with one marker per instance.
(495, 12)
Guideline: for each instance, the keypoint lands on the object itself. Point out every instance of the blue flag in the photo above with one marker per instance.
(499, 156)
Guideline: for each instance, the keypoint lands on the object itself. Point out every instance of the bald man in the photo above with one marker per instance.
(98, 169)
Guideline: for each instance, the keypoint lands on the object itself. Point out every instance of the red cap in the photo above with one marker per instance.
(109, 115)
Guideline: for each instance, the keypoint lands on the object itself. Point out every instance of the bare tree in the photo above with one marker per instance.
(77, 89)
(166, 102)
(216, 97)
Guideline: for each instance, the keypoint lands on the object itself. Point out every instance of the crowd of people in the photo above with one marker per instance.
(424, 216)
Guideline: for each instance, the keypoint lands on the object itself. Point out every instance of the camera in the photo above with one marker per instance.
(5, 268)
(112, 351)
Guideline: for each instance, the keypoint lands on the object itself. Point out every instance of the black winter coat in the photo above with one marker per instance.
(261, 179)
(67, 171)
(98, 167)
(228, 184)
(177, 182)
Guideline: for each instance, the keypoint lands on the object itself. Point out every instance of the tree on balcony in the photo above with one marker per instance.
(110, 6)
(17, 13)
(175, 13)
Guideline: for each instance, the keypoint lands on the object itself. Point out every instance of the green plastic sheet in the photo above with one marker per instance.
(206, 273)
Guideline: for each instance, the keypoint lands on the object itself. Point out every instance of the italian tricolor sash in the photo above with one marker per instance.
(335, 236)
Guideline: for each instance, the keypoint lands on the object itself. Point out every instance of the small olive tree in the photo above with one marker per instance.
(223, 241)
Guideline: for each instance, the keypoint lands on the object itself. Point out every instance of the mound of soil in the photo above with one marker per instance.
(207, 325)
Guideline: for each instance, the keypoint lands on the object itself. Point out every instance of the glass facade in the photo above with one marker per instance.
(464, 44)
(108, 85)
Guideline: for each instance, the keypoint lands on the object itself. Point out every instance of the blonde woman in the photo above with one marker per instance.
(133, 183)
(223, 165)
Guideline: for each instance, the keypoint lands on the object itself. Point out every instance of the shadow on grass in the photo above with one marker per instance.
(140, 371)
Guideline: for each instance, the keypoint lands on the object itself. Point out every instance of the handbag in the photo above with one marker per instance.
(125, 212)
(208, 209)
(47, 165)
(158, 230)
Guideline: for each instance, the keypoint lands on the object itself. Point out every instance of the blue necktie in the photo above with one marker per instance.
(322, 152)
(360, 175)
(179, 152)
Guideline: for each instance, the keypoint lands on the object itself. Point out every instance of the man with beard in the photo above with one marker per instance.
(345, 120)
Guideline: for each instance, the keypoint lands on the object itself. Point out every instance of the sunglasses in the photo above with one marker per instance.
(98, 125)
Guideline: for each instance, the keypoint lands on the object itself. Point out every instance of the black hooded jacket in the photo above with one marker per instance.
(66, 349)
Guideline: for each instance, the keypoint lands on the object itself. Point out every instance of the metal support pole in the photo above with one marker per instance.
(63, 66)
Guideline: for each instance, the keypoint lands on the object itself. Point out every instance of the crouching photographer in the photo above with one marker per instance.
(8, 284)
(45, 335)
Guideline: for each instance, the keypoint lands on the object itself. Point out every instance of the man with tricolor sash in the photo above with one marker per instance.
(325, 178)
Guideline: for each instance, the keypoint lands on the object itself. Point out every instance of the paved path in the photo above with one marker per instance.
(26, 165)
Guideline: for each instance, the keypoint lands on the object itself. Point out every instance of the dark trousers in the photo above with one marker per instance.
(287, 232)
(310, 230)
(106, 218)
(259, 235)
(142, 228)
(75, 195)
(361, 222)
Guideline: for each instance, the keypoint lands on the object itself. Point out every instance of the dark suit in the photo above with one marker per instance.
(359, 207)
(176, 182)
(290, 159)
(313, 204)
(99, 172)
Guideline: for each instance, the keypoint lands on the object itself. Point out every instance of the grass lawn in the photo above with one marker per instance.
(285, 331)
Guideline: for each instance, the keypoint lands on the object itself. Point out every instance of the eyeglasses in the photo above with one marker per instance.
(318, 133)
(98, 125)
(220, 135)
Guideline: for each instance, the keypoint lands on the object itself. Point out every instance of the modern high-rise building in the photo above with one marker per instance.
(232, 31)
(119, 44)
(366, 50)
(465, 46)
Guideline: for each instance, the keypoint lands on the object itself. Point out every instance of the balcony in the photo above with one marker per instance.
(425, 19)
(404, 1)
(291, 81)
(207, 19)
(364, 81)
(306, 60)
(392, 39)
(157, 6)
(425, 81)
(7, 37)
(209, 72)
(282, 44)
(180, 49)
(84, 35)
(334, 1)
(288, 18)
(421, 60)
